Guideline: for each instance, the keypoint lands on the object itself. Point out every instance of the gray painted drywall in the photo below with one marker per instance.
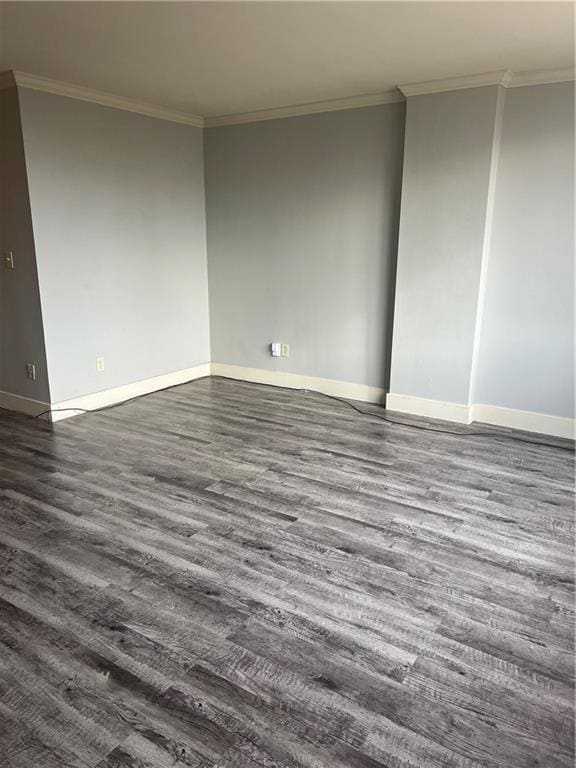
(302, 222)
(448, 152)
(302, 227)
(526, 358)
(21, 333)
(118, 210)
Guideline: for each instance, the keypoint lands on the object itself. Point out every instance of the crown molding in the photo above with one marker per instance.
(498, 77)
(309, 108)
(503, 77)
(541, 77)
(37, 83)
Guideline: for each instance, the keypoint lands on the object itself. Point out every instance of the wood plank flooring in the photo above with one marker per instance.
(225, 575)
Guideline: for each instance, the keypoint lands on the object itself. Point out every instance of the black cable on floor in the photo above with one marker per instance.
(496, 435)
(421, 427)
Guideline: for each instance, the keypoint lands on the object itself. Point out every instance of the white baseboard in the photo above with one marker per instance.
(67, 408)
(433, 409)
(22, 404)
(529, 421)
(334, 387)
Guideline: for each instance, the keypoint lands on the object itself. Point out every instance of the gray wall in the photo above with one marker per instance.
(526, 356)
(118, 210)
(302, 227)
(21, 332)
(302, 220)
(448, 152)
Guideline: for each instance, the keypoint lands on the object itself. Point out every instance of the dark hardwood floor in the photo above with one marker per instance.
(227, 575)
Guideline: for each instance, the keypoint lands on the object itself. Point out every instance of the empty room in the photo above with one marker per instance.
(287, 325)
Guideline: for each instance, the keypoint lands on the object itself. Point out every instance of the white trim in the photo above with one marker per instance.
(557, 426)
(77, 405)
(542, 77)
(499, 77)
(528, 421)
(504, 77)
(433, 409)
(311, 108)
(22, 404)
(37, 83)
(345, 389)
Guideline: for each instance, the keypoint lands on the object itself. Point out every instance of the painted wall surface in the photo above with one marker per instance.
(526, 358)
(21, 332)
(118, 210)
(448, 151)
(302, 217)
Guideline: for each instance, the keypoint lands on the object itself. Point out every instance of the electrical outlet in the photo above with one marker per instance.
(99, 364)
(9, 260)
(31, 371)
(285, 350)
(276, 349)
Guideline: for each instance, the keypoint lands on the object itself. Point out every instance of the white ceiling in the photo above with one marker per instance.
(212, 58)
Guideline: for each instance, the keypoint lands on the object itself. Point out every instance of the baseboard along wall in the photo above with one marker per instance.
(65, 409)
(333, 387)
(433, 409)
(529, 421)
(27, 405)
